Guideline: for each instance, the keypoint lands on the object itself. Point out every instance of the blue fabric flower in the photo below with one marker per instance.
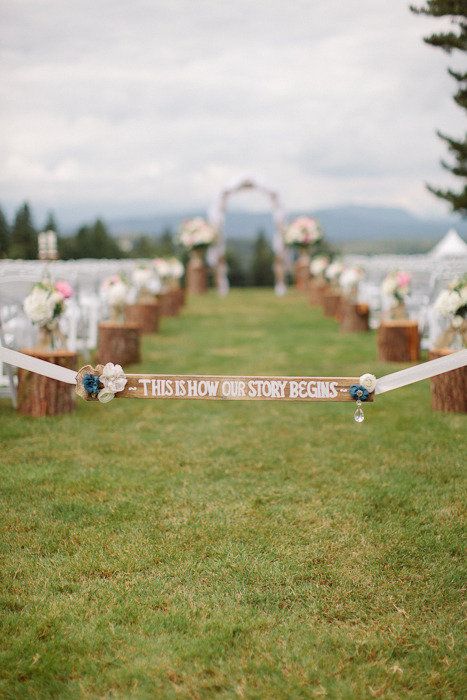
(358, 392)
(91, 383)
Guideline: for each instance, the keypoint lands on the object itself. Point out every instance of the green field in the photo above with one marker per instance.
(157, 549)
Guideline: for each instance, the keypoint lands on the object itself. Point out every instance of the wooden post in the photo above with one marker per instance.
(144, 315)
(317, 288)
(354, 318)
(41, 396)
(119, 343)
(196, 273)
(448, 390)
(398, 341)
(302, 271)
(332, 304)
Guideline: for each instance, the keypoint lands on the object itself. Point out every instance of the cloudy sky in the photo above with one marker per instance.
(122, 108)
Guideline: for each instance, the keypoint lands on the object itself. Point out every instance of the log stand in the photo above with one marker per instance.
(144, 315)
(41, 396)
(119, 343)
(448, 390)
(354, 318)
(398, 341)
(332, 302)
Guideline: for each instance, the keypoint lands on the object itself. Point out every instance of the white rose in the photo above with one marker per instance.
(368, 381)
(457, 322)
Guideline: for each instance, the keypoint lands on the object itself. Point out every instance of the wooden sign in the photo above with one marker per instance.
(234, 388)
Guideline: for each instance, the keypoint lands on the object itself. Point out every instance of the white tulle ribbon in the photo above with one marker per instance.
(33, 364)
(396, 380)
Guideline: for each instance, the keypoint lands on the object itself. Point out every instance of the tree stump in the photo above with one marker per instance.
(119, 343)
(169, 303)
(144, 315)
(332, 302)
(398, 341)
(354, 318)
(41, 396)
(302, 272)
(316, 291)
(448, 390)
(196, 273)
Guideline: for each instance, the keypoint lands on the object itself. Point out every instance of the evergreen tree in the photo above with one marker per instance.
(235, 271)
(144, 247)
(103, 244)
(4, 235)
(262, 274)
(50, 223)
(23, 241)
(449, 41)
(166, 243)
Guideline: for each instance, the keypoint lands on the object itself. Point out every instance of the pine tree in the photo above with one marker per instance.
(4, 235)
(262, 274)
(50, 223)
(103, 244)
(449, 41)
(23, 241)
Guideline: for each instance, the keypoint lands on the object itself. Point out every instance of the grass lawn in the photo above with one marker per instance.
(164, 549)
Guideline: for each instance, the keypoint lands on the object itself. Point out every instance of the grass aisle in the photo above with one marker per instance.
(235, 549)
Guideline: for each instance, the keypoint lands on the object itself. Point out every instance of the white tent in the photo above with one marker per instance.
(450, 246)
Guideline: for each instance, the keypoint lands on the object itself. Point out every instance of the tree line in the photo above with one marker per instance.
(18, 240)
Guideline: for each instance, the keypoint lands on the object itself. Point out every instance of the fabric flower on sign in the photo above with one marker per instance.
(368, 381)
(113, 377)
(91, 383)
(105, 396)
(359, 392)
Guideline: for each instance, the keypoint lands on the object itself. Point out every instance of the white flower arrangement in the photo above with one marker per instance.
(169, 268)
(45, 304)
(452, 301)
(114, 290)
(146, 280)
(396, 285)
(452, 304)
(350, 278)
(334, 271)
(197, 233)
(302, 232)
(319, 265)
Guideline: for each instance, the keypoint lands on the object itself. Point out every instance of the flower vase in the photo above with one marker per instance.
(50, 338)
(302, 269)
(45, 338)
(196, 279)
(117, 314)
(398, 312)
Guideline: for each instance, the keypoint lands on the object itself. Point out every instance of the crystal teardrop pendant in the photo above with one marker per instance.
(358, 416)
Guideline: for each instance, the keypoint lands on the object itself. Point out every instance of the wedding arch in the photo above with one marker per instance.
(216, 217)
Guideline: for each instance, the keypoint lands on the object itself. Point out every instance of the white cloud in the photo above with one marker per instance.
(116, 108)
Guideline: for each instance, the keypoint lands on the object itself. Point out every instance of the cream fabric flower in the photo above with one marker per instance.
(105, 396)
(368, 381)
(113, 378)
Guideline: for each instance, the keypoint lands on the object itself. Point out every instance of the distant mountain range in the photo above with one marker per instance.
(343, 223)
